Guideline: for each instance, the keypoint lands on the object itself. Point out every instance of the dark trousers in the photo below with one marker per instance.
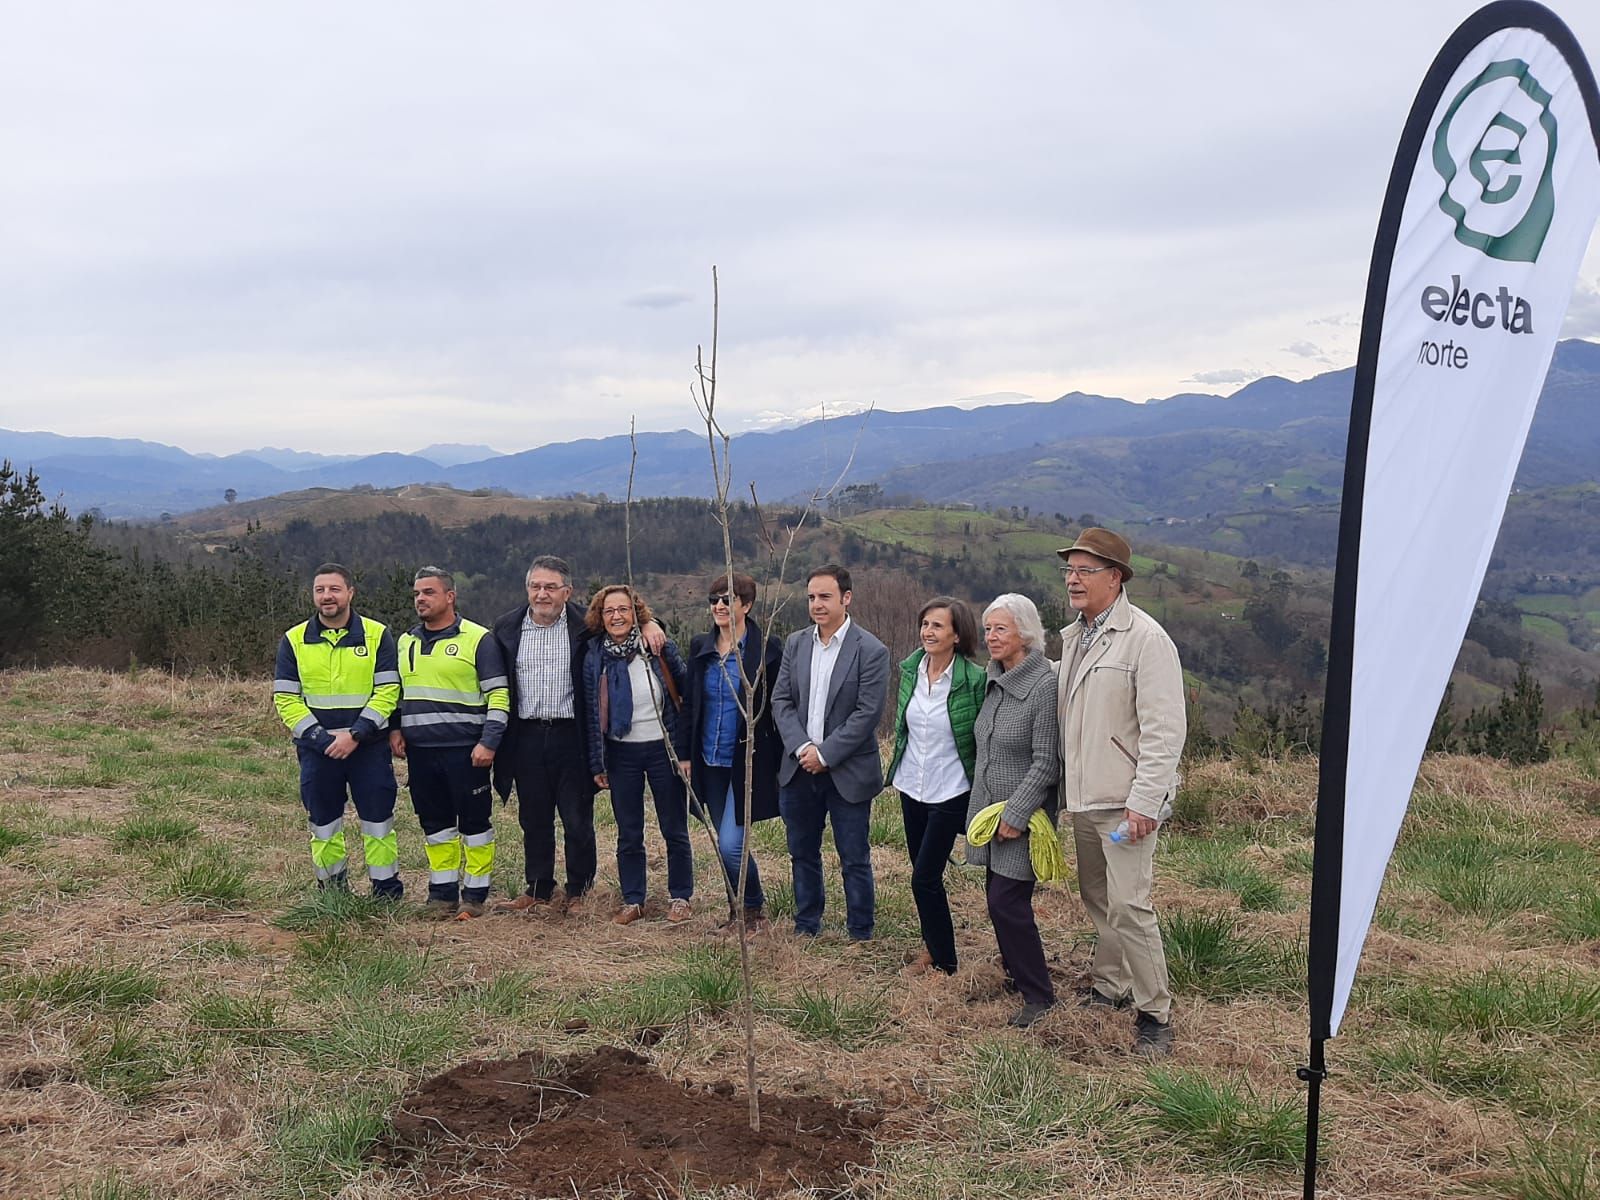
(931, 832)
(367, 776)
(628, 766)
(448, 792)
(808, 803)
(552, 776)
(1011, 911)
(725, 808)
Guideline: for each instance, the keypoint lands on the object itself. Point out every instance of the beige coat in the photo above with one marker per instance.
(1121, 710)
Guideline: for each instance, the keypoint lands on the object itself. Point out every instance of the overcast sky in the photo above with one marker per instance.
(356, 227)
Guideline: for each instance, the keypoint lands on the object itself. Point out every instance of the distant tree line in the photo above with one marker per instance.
(85, 592)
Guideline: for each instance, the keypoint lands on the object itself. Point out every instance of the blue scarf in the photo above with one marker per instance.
(616, 690)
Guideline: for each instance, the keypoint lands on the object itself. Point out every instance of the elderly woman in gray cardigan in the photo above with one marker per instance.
(1017, 764)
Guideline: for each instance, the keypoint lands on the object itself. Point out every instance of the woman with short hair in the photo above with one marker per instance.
(731, 672)
(941, 691)
(1017, 765)
(633, 701)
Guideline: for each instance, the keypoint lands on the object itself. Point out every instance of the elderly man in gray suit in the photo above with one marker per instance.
(829, 695)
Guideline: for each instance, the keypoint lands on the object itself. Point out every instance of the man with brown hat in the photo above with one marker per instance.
(1122, 732)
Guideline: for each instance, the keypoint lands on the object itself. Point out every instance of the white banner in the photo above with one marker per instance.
(1500, 195)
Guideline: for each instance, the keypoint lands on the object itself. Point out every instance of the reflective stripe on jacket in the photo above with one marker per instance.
(453, 687)
(332, 679)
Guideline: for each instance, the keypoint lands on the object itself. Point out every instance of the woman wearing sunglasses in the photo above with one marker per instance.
(731, 671)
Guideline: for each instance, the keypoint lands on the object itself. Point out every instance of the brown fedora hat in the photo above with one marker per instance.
(1102, 543)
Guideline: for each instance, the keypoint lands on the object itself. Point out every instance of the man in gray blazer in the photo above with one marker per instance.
(827, 701)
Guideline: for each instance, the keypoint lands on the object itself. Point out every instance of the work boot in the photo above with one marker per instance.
(335, 883)
(1028, 1014)
(470, 909)
(1092, 997)
(1152, 1038)
(439, 910)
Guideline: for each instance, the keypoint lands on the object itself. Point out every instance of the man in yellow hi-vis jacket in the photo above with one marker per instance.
(454, 704)
(337, 683)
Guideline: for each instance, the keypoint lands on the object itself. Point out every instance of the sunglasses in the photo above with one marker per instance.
(722, 598)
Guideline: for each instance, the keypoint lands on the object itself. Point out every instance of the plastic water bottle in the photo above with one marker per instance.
(1120, 833)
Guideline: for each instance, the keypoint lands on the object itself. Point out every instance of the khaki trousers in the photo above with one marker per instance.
(1115, 880)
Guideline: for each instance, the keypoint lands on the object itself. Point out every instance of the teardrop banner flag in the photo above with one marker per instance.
(1491, 202)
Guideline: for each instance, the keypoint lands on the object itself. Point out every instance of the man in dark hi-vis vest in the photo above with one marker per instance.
(336, 686)
(453, 708)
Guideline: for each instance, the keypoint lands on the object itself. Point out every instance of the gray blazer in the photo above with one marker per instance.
(1018, 759)
(857, 693)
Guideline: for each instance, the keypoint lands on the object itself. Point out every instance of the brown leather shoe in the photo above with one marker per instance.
(578, 905)
(521, 904)
(626, 915)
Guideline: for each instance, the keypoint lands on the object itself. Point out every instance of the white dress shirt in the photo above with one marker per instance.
(930, 770)
(824, 657)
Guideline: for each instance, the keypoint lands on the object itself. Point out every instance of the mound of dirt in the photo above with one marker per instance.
(609, 1123)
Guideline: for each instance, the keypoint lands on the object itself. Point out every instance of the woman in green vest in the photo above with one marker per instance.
(941, 691)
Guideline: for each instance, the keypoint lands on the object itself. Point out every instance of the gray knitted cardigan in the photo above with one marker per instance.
(1018, 758)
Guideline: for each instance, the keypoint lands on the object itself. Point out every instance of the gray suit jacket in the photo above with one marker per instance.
(857, 693)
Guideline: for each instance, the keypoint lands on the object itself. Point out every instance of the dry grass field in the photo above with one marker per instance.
(182, 1016)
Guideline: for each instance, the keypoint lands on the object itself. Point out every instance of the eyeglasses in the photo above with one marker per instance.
(722, 598)
(1082, 572)
(617, 612)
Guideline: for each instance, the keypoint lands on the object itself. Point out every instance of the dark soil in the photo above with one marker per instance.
(609, 1124)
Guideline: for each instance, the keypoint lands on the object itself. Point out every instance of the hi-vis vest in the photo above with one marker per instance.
(330, 679)
(452, 687)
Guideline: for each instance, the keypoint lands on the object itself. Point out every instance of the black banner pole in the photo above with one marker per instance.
(1313, 1077)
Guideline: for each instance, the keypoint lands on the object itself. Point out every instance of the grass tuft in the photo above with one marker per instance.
(153, 829)
(324, 906)
(320, 1145)
(13, 839)
(1223, 1124)
(707, 980)
(86, 985)
(1453, 1064)
(125, 1062)
(108, 1187)
(1021, 1096)
(241, 1020)
(208, 880)
(1578, 920)
(1220, 866)
(348, 964)
(1208, 956)
(1496, 1002)
(1547, 1169)
(833, 1017)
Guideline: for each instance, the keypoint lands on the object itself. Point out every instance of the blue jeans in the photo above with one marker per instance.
(628, 765)
(725, 807)
(807, 803)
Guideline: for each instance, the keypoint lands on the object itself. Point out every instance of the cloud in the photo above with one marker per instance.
(1583, 314)
(662, 297)
(1306, 350)
(522, 245)
(1225, 375)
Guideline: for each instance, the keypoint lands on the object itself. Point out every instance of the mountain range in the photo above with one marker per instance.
(1272, 445)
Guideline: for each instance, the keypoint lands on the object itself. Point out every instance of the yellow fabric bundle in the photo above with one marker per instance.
(1044, 849)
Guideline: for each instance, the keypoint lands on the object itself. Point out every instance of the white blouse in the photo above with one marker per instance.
(646, 725)
(931, 770)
